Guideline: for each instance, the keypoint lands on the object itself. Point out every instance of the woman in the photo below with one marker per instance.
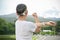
(25, 29)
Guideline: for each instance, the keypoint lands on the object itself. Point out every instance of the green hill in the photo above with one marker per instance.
(12, 17)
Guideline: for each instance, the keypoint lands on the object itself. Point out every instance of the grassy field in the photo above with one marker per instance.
(11, 37)
(7, 37)
(40, 37)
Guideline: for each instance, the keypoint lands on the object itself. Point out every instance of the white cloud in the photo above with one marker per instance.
(51, 13)
(8, 6)
(39, 6)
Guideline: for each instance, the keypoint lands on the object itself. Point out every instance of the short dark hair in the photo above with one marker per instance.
(20, 9)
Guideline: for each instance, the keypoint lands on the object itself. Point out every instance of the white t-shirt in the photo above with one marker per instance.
(24, 30)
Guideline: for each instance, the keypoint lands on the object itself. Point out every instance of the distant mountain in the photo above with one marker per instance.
(12, 17)
(9, 17)
(54, 18)
(30, 18)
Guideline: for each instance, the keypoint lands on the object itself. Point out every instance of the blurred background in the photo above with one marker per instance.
(47, 10)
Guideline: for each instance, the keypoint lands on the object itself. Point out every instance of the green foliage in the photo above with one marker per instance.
(58, 27)
(47, 28)
(34, 38)
(48, 33)
(6, 27)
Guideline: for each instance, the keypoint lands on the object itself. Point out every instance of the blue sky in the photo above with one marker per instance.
(44, 8)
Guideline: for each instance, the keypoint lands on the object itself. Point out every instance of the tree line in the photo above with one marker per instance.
(9, 28)
(6, 27)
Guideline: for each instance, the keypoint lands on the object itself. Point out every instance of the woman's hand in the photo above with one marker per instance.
(35, 15)
(51, 23)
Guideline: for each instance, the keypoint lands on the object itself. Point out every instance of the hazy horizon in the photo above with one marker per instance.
(44, 8)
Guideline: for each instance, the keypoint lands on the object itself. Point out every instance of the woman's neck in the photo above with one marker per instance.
(22, 18)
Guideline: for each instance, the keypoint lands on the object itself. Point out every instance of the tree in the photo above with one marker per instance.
(6, 27)
(58, 26)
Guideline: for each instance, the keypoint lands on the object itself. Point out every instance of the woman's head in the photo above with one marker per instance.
(21, 9)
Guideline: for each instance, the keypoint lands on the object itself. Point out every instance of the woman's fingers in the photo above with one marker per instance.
(34, 15)
(52, 23)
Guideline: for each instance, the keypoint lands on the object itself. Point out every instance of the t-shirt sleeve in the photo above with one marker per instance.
(32, 27)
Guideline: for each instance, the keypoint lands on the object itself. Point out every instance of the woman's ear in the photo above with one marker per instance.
(26, 12)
